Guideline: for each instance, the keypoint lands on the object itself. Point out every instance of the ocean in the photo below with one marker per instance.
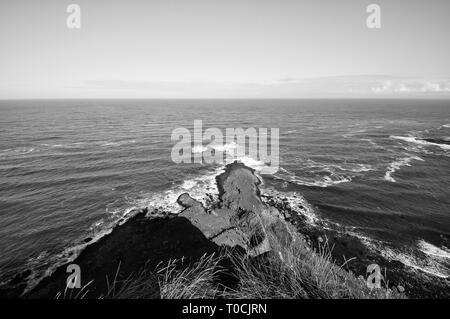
(376, 170)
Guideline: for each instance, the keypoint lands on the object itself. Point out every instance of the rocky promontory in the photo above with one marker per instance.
(265, 249)
(240, 218)
(238, 221)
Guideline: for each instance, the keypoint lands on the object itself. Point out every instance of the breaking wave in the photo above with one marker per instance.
(324, 175)
(431, 250)
(324, 182)
(419, 141)
(393, 167)
(434, 262)
(296, 202)
(230, 156)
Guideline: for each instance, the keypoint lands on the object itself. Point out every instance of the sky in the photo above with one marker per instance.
(224, 49)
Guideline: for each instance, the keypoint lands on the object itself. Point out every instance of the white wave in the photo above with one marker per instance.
(110, 144)
(355, 168)
(201, 188)
(352, 133)
(257, 165)
(297, 203)
(189, 184)
(328, 181)
(417, 148)
(412, 139)
(393, 167)
(52, 145)
(114, 143)
(230, 155)
(325, 181)
(230, 147)
(446, 125)
(17, 151)
(362, 168)
(331, 168)
(432, 250)
(430, 266)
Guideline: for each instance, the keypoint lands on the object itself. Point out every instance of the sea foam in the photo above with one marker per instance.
(396, 165)
(415, 140)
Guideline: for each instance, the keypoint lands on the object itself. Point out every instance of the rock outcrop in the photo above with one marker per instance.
(241, 217)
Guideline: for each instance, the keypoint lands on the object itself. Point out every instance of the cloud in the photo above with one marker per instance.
(357, 86)
(412, 86)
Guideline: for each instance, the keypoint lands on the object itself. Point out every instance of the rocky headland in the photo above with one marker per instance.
(238, 221)
(242, 222)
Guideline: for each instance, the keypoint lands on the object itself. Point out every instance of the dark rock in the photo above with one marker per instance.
(187, 201)
(238, 191)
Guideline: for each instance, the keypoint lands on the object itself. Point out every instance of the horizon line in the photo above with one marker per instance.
(446, 97)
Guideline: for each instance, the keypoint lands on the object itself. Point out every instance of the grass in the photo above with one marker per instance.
(172, 280)
(297, 272)
(294, 271)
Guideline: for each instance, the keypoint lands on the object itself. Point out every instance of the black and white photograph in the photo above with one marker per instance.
(224, 151)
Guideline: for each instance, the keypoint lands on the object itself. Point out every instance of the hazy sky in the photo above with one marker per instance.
(223, 48)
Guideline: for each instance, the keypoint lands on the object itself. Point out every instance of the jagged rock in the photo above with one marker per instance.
(210, 225)
(230, 237)
(238, 191)
(241, 218)
(238, 188)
